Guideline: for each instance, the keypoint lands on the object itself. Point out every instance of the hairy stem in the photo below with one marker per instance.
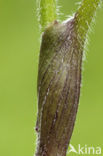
(48, 12)
(85, 15)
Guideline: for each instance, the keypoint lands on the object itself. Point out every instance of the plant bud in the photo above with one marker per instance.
(59, 80)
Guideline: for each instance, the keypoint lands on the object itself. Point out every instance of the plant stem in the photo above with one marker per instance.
(85, 15)
(48, 12)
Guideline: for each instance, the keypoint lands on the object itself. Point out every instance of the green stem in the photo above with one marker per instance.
(48, 12)
(84, 16)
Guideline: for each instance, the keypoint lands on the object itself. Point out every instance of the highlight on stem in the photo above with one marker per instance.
(59, 75)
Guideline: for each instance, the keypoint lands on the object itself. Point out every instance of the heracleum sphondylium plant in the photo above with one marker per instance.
(59, 75)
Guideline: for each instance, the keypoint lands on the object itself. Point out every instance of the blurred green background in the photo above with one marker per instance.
(19, 50)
